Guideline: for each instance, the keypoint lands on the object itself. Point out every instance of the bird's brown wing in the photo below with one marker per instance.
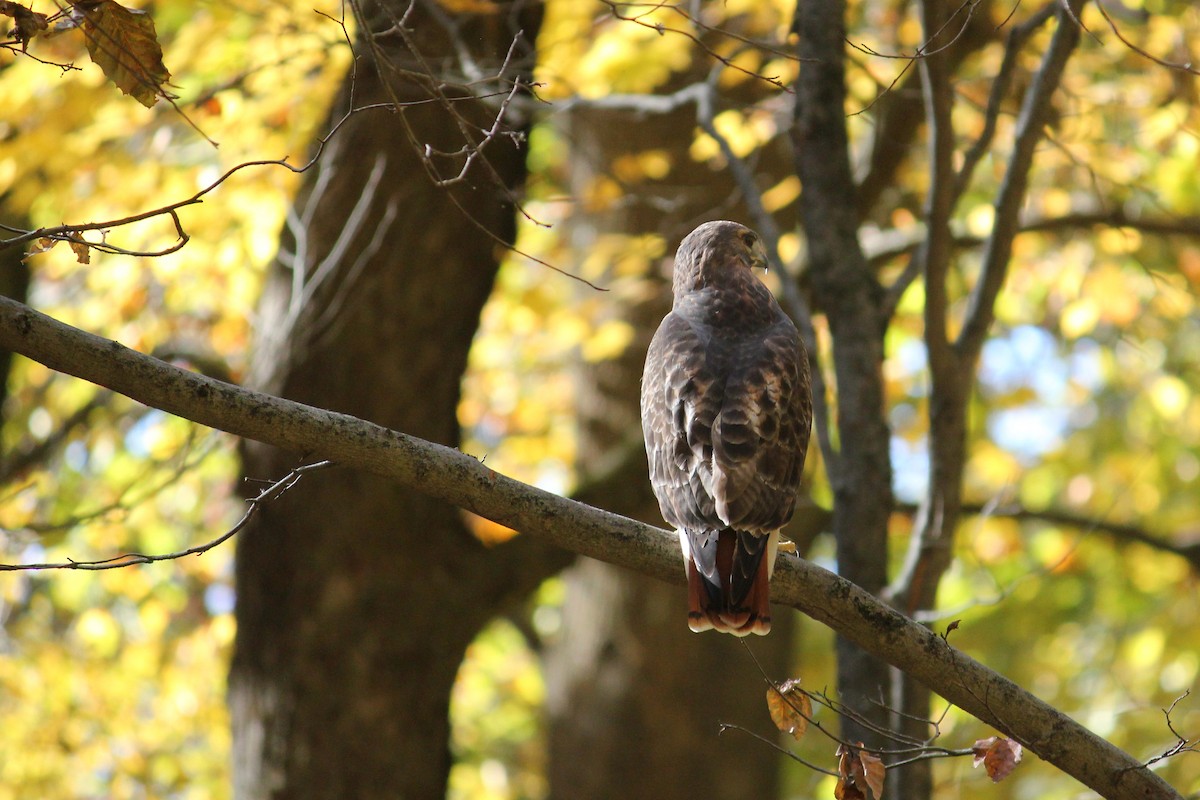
(760, 434)
(679, 407)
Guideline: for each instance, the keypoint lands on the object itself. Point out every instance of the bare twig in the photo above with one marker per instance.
(1187, 67)
(925, 50)
(1030, 123)
(1182, 743)
(728, 726)
(1017, 37)
(922, 52)
(20, 462)
(74, 232)
(267, 495)
(661, 29)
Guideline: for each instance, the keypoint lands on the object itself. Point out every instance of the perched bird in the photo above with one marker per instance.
(726, 414)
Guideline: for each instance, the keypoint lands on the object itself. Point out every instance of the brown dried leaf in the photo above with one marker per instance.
(41, 245)
(874, 772)
(858, 771)
(789, 708)
(83, 253)
(847, 786)
(123, 43)
(29, 23)
(847, 791)
(998, 755)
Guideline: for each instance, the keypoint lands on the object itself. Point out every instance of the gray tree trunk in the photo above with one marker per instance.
(851, 299)
(357, 598)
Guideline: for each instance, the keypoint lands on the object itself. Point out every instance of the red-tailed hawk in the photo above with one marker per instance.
(726, 413)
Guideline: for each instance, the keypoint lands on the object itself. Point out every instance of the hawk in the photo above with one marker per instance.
(726, 414)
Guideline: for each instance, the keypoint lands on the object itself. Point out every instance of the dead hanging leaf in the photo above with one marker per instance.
(29, 23)
(858, 772)
(998, 755)
(790, 708)
(847, 791)
(83, 253)
(874, 772)
(123, 43)
(41, 245)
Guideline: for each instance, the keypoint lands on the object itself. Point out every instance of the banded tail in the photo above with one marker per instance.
(729, 576)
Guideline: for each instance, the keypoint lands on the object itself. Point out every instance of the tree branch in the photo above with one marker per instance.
(1017, 37)
(1120, 532)
(848, 293)
(456, 478)
(272, 492)
(1035, 111)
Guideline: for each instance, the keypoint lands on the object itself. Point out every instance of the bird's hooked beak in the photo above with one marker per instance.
(758, 256)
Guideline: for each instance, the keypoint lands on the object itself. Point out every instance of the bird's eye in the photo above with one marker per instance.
(749, 238)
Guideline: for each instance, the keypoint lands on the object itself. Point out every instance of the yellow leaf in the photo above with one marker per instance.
(486, 531)
(470, 6)
(123, 43)
(782, 194)
(1079, 318)
(1170, 397)
(790, 708)
(609, 341)
(98, 632)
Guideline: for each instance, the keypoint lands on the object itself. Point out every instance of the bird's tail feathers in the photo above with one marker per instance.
(729, 576)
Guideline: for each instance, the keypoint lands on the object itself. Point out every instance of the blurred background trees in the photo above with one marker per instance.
(384, 643)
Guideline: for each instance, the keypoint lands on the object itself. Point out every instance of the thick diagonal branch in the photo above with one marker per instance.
(456, 478)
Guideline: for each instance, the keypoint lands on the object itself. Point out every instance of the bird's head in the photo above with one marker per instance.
(718, 253)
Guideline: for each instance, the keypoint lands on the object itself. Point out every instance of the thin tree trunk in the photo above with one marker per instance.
(14, 283)
(850, 297)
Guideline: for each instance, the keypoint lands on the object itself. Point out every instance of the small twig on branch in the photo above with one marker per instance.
(1031, 123)
(1182, 743)
(1181, 67)
(472, 149)
(922, 52)
(272, 492)
(69, 233)
(1017, 37)
(918, 54)
(728, 726)
(22, 461)
(662, 30)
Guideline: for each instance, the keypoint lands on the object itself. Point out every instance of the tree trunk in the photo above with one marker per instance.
(14, 283)
(357, 598)
(850, 297)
